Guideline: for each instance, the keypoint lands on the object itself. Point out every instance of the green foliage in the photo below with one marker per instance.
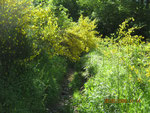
(14, 43)
(124, 35)
(105, 11)
(18, 93)
(71, 42)
(77, 81)
(115, 78)
(24, 32)
(44, 32)
(32, 87)
(71, 5)
(119, 71)
(48, 79)
(78, 38)
(110, 13)
(43, 2)
(62, 14)
(43, 29)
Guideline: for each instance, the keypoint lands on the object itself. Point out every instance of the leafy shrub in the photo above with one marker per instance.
(115, 78)
(49, 76)
(32, 87)
(27, 87)
(125, 35)
(71, 5)
(62, 14)
(18, 93)
(71, 42)
(14, 43)
(110, 14)
(79, 38)
(121, 73)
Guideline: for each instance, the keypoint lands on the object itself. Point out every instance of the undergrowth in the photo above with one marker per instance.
(32, 87)
(118, 69)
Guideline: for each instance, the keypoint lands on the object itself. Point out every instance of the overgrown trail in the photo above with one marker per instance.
(63, 106)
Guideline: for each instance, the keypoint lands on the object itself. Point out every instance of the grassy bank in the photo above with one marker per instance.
(115, 72)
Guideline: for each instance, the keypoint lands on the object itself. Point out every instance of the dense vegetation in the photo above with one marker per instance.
(106, 42)
(115, 70)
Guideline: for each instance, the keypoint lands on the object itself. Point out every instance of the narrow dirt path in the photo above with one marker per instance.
(66, 95)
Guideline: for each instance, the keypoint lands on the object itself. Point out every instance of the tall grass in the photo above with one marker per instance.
(33, 87)
(116, 70)
(118, 76)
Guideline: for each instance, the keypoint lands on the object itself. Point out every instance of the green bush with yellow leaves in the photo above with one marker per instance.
(31, 42)
(117, 70)
(15, 45)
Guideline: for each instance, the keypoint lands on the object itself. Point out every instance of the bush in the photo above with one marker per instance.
(121, 73)
(27, 87)
(18, 93)
(49, 76)
(32, 87)
(79, 38)
(71, 42)
(15, 45)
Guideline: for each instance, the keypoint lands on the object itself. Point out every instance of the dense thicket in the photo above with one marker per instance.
(33, 38)
(39, 37)
(111, 13)
(118, 74)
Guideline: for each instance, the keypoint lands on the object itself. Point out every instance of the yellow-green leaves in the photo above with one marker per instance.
(43, 28)
(39, 24)
(14, 44)
(125, 34)
(71, 42)
(80, 37)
